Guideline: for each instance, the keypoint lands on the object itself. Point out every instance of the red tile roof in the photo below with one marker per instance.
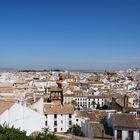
(4, 105)
(58, 109)
(125, 121)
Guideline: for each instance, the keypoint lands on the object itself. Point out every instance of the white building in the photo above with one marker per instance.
(38, 105)
(21, 117)
(59, 118)
(85, 101)
(125, 126)
(90, 124)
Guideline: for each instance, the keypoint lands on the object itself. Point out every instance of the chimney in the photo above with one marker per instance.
(34, 97)
(125, 101)
(45, 90)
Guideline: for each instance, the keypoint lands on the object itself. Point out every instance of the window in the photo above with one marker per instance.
(55, 129)
(70, 122)
(55, 123)
(133, 103)
(70, 116)
(130, 135)
(46, 123)
(61, 121)
(61, 129)
(55, 116)
(77, 120)
(61, 114)
(119, 134)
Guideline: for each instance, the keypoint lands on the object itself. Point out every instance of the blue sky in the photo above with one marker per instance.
(71, 34)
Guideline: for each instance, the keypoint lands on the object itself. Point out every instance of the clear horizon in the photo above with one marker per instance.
(70, 34)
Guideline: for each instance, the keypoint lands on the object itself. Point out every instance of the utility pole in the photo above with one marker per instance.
(102, 134)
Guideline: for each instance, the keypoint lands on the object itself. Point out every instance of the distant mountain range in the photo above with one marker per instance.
(58, 69)
(55, 69)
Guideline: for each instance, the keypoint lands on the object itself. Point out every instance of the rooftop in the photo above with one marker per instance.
(58, 109)
(125, 121)
(4, 105)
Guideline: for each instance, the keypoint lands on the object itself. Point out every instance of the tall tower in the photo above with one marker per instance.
(56, 94)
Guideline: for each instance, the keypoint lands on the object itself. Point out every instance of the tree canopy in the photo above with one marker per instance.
(10, 133)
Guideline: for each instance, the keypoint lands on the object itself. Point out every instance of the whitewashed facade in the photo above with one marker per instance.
(59, 122)
(85, 101)
(24, 118)
(124, 131)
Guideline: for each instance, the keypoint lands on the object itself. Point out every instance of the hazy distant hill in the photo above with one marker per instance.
(8, 70)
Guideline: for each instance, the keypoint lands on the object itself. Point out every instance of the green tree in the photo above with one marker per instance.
(93, 103)
(10, 133)
(7, 133)
(73, 102)
(75, 130)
